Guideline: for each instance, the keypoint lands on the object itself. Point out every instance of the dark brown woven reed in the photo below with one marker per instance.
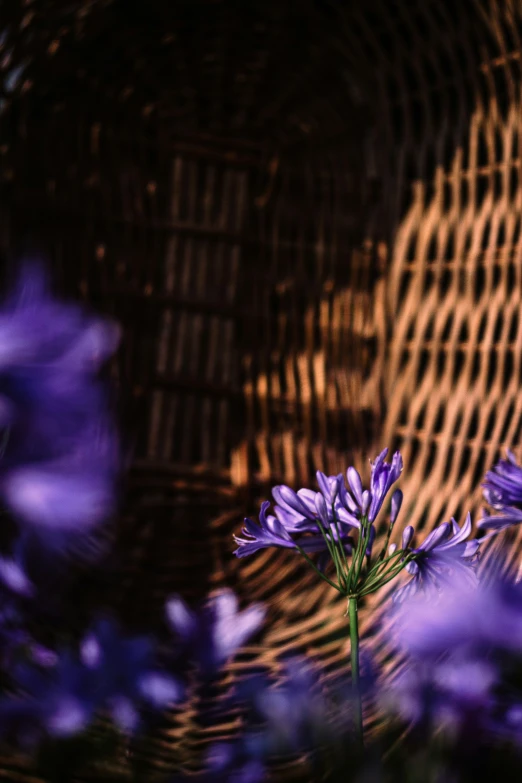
(307, 217)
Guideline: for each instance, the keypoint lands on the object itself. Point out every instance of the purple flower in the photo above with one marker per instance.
(273, 532)
(396, 503)
(68, 494)
(228, 762)
(35, 328)
(510, 516)
(59, 695)
(232, 763)
(460, 648)
(295, 714)
(302, 511)
(382, 479)
(383, 476)
(503, 491)
(57, 701)
(124, 674)
(329, 523)
(59, 457)
(445, 693)
(296, 711)
(503, 484)
(444, 553)
(213, 635)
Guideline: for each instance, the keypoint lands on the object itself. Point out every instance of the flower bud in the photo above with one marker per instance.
(407, 536)
(354, 480)
(396, 503)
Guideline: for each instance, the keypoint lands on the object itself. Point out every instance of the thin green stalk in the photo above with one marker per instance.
(360, 555)
(332, 549)
(341, 547)
(353, 574)
(356, 679)
(373, 586)
(311, 563)
(379, 566)
(385, 547)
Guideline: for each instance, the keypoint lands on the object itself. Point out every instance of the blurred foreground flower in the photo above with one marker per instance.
(444, 555)
(463, 660)
(60, 456)
(503, 491)
(112, 673)
(212, 635)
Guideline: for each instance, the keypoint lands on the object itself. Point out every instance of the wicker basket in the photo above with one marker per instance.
(308, 218)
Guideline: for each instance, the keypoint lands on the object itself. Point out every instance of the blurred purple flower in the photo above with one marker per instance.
(459, 650)
(59, 457)
(125, 675)
(228, 762)
(56, 701)
(212, 635)
(60, 696)
(296, 711)
(509, 517)
(503, 484)
(72, 493)
(503, 491)
(443, 554)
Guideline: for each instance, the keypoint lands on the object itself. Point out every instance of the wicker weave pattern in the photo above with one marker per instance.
(453, 373)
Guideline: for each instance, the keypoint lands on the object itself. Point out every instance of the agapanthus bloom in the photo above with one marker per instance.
(59, 455)
(210, 636)
(443, 554)
(314, 522)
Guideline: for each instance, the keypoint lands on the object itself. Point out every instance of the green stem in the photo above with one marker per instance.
(373, 586)
(353, 574)
(387, 541)
(380, 567)
(365, 538)
(341, 548)
(354, 656)
(312, 564)
(332, 550)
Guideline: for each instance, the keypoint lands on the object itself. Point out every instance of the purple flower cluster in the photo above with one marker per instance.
(329, 521)
(60, 694)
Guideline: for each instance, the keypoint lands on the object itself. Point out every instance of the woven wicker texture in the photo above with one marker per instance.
(308, 219)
